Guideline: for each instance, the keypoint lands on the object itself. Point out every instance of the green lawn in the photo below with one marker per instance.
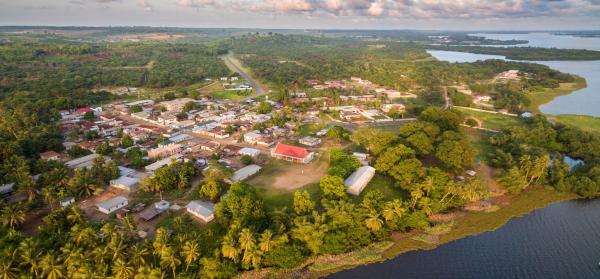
(491, 120)
(480, 141)
(385, 185)
(583, 122)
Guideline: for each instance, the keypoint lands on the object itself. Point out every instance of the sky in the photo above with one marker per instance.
(310, 14)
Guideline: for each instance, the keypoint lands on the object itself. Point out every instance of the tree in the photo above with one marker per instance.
(52, 269)
(89, 116)
(513, 180)
(264, 108)
(338, 134)
(211, 190)
(333, 186)
(303, 204)
(374, 140)
(445, 119)
(136, 109)
(455, 155)
(13, 215)
(373, 222)
(286, 256)
(190, 253)
(247, 160)
(126, 141)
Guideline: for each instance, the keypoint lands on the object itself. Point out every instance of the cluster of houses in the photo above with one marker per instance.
(357, 83)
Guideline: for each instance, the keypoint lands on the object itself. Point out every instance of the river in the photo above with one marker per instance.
(558, 241)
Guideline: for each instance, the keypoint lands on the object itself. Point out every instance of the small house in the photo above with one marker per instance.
(310, 141)
(252, 152)
(67, 201)
(359, 179)
(203, 210)
(292, 153)
(245, 172)
(112, 205)
(126, 183)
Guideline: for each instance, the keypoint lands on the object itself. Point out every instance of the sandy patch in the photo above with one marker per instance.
(298, 176)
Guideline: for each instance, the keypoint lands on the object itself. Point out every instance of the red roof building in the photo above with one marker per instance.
(292, 153)
(83, 110)
(50, 155)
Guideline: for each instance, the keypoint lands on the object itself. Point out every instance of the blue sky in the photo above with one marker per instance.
(349, 14)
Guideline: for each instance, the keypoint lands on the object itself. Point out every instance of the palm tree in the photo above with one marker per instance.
(13, 215)
(253, 257)
(415, 195)
(190, 252)
(229, 249)
(393, 209)
(121, 270)
(425, 205)
(169, 259)
(247, 240)
(373, 222)
(74, 216)
(266, 241)
(8, 270)
(30, 256)
(52, 269)
(146, 272)
(138, 255)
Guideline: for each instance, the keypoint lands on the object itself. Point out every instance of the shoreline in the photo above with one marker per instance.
(472, 224)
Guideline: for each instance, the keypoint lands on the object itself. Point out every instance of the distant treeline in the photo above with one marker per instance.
(527, 53)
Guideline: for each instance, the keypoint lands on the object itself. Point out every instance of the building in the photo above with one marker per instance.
(126, 183)
(176, 105)
(292, 153)
(249, 151)
(359, 179)
(245, 172)
(164, 162)
(165, 149)
(180, 138)
(112, 205)
(50, 155)
(203, 210)
(388, 107)
(67, 201)
(310, 141)
(153, 211)
(82, 162)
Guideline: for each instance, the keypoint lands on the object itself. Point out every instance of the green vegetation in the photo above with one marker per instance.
(583, 122)
(546, 95)
(528, 53)
(491, 120)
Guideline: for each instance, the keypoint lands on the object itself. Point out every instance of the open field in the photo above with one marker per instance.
(583, 122)
(545, 96)
(494, 121)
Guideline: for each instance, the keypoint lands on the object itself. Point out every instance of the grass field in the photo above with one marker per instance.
(584, 122)
(491, 120)
(545, 96)
(480, 141)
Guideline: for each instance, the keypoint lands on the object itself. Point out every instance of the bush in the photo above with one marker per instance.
(247, 160)
(287, 256)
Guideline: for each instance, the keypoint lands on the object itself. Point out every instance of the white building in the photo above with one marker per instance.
(112, 205)
(126, 183)
(310, 141)
(245, 172)
(359, 179)
(83, 162)
(202, 210)
(67, 201)
(249, 151)
(164, 162)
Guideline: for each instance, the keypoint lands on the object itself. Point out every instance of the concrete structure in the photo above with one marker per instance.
(249, 151)
(245, 172)
(359, 179)
(83, 162)
(112, 205)
(202, 210)
(164, 162)
(165, 150)
(126, 183)
(292, 153)
(50, 155)
(67, 201)
(310, 141)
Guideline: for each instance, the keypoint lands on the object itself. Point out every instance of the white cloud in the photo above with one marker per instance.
(144, 4)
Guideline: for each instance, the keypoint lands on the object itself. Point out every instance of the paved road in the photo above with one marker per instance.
(236, 67)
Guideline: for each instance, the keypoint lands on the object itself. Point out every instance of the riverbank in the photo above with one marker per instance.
(464, 225)
(469, 224)
(542, 97)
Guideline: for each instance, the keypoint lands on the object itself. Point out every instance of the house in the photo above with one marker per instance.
(180, 138)
(126, 183)
(362, 157)
(50, 155)
(164, 149)
(310, 141)
(249, 151)
(292, 153)
(388, 107)
(176, 105)
(202, 210)
(164, 162)
(112, 205)
(82, 162)
(252, 137)
(7, 189)
(67, 201)
(359, 179)
(232, 149)
(153, 211)
(245, 172)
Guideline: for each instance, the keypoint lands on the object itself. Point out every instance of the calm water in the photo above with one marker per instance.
(559, 241)
(585, 101)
